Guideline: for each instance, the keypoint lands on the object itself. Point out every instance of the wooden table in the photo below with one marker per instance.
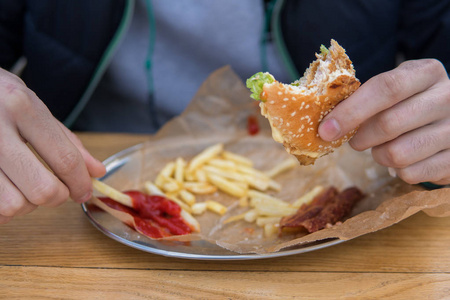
(58, 254)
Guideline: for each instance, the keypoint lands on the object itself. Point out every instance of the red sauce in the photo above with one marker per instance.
(154, 216)
(252, 125)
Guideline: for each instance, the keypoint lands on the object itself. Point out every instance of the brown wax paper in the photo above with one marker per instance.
(219, 113)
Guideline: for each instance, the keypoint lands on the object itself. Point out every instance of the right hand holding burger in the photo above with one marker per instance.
(404, 116)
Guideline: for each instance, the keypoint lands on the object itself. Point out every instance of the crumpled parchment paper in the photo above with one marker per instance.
(219, 113)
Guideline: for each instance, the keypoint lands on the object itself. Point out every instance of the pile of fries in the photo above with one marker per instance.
(212, 170)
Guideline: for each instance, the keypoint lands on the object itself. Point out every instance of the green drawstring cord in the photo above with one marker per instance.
(148, 63)
(279, 41)
(102, 65)
(265, 34)
(272, 31)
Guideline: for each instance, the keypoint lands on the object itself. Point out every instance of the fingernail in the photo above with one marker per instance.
(330, 130)
(85, 198)
(392, 172)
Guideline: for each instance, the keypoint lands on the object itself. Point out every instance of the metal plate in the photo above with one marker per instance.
(116, 166)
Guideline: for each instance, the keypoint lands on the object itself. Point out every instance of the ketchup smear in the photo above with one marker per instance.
(154, 216)
(252, 125)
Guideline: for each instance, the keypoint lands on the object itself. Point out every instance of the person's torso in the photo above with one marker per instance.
(190, 40)
(64, 41)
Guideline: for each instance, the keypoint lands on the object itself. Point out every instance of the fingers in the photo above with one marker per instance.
(13, 202)
(419, 155)
(44, 133)
(415, 112)
(404, 116)
(414, 146)
(25, 181)
(37, 184)
(95, 167)
(433, 169)
(380, 93)
(445, 181)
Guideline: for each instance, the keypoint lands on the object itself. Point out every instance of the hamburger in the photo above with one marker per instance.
(295, 110)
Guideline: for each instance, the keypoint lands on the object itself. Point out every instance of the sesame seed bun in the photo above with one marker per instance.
(296, 110)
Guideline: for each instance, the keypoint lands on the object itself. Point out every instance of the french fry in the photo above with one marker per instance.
(238, 159)
(273, 185)
(234, 218)
(180, 203)
(243, 201)
(112, 193)
(262, 221)
(168, 169)
(180, 165)
(190, 176)
(242, 185)
(282, 167)
(267, 205)
(160, 180)
(200, 175)
(204, 156)
(253, 172)
(224, 173)
(256, 182)
(192, 222)
(187, 197)
(170, 185)
(198, 208)
(201, 188)
(271, 229)
(216, 207)
(275, 210)
(251, 216)
(171, 195)
(308, 197)
(227, 186)
(222, 164)
(256, 194)
(256, 202)
(151, 189)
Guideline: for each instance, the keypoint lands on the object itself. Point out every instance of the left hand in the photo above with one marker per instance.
(404, 116)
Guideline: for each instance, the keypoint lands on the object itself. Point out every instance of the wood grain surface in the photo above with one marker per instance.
(55, 253)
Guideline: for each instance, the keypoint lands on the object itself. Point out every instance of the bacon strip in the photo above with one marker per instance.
(308, 211)
(335, 211)
(329, 208)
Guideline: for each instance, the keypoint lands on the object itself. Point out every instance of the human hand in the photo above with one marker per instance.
(404, 116)
(25, 183)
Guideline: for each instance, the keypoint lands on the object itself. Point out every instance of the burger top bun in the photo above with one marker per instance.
(295, 110)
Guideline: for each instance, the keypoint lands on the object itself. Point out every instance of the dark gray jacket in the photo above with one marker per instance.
(68, 43)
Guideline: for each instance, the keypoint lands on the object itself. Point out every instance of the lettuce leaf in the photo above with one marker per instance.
(256, 83)
(324, 50)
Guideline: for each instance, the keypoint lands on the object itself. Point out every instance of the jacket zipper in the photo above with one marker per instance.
(103, 64)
